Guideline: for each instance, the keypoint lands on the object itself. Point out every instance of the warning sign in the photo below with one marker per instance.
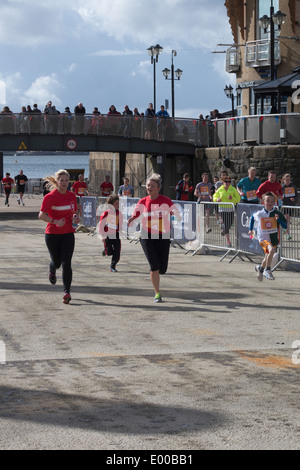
(22, 146)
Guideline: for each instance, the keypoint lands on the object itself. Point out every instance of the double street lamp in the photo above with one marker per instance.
(266, 21)
(154, 52)
(166, 72)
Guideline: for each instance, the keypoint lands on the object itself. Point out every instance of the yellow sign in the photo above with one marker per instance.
(22, 146)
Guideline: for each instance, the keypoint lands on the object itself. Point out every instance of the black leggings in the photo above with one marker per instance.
(113, 248)
(61, 248)
(7, 194)
(157, 253)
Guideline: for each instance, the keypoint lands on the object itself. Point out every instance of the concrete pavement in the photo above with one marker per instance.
(212, 367)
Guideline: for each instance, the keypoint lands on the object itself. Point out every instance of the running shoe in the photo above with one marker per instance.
(158, 297)
(268, 274)
(288, 237)
(52, 278)
(208, 229)
(113, 270)
(66, 298)
(260, 276)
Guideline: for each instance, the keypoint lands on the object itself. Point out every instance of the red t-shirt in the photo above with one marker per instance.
(7, 182)
(106, 188)
(156, 214)
(267, 186)
(79, 188)
(60, 206)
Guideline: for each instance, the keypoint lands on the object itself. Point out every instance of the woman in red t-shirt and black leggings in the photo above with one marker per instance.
(156, 211)
(59, 210)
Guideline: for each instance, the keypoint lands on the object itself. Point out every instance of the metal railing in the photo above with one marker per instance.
(260, 129)
(140, 127)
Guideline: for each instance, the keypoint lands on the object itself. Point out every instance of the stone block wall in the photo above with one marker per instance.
(282, 158)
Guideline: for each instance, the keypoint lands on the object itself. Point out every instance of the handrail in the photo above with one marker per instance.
(260, 129)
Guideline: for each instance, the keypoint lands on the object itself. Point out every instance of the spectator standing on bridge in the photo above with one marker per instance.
(162, 115)
(51, 118)
(7, 184)
(59, 210)
(113, 120)
(67, 116)
(106, 187)
(35, 119)
(248, 186)
(150, 124)
(79, 112)
(126, 189)
(271, 185)
(20, 181)
(127, 113)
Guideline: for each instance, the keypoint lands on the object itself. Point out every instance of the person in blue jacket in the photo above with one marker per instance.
(248, 186)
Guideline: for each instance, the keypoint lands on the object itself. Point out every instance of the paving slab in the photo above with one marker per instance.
(211, 367)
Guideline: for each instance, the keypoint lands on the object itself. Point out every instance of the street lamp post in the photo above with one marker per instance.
(154, 52)
(178, 73)
(270, 21)
(229, 93)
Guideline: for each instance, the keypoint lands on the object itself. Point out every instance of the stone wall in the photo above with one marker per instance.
(281, 158)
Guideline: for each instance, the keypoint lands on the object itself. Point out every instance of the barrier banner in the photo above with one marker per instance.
(88, 211)
(245, 243)
(185, 231)
(126, 207)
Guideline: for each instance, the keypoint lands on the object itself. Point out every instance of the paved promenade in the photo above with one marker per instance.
(209, 368)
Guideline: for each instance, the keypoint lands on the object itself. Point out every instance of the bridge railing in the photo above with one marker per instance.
(140, 127)
(260, 129)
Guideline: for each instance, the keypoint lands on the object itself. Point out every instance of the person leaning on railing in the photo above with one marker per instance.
(227, 193)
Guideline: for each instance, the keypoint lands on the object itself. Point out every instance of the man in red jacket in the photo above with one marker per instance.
(271, 185)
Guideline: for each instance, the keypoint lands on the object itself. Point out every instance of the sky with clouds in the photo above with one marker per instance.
(95, 52)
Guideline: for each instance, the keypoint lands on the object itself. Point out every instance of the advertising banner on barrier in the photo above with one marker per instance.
(244, 213)
(184, 231)
(88, 211)
(126, 207)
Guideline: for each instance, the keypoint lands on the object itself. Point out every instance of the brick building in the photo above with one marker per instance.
(250, 55)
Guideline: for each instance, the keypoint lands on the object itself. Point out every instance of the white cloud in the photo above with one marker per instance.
(190, 22)
(116, 53)
(42, 90)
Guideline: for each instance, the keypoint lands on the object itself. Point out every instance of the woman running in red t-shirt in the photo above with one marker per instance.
(156, 211)
(59, 210)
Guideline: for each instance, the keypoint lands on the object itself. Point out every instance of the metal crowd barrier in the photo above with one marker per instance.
(290, 238)
(209, 225)
(217, 223)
